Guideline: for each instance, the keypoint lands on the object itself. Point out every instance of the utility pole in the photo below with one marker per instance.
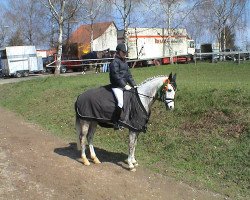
(125, 22)
(92, 18)
(169, 33)
(92, 35)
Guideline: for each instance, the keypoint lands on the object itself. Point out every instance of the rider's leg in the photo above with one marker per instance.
(118, 92)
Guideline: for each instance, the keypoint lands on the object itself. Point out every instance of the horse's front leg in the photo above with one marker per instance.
(90, 138)
(82, 137)
(132, 163)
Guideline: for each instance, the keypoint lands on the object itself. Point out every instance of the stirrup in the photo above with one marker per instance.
(117, 126)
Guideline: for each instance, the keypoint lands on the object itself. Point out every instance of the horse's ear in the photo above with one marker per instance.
(174, 77)
(170, 77)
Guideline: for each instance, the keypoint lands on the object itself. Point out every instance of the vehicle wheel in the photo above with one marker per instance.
(25, 74)
(18, 75)
(49, 70)
(63, 69)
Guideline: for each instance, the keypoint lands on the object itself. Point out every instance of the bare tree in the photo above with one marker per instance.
(69, 24)
(228, 38)
(216, 15)
(92, 11)
(58, 10)
(175, 12)
(4, 27)
(16, 39)
(169, 6)
(124, 9)
(4, 30)
(26, 17)
(52, 32)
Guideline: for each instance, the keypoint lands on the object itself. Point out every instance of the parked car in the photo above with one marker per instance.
(0, 68)
(68, 63)
(47, 60)
(235, 55)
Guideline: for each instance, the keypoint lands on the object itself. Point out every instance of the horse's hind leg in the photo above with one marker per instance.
(132, 144)
(78, 132)
(90, 138)
(84, 126)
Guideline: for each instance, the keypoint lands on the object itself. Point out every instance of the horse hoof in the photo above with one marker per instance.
(136, 164)
(96, 160)
(132, 169)
(85, 161)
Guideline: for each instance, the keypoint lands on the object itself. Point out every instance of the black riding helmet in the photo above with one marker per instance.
(121, 47)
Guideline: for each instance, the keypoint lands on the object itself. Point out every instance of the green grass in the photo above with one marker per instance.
(204, 141)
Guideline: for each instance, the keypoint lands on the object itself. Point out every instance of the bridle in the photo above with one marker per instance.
(162, 90)
(169, 100)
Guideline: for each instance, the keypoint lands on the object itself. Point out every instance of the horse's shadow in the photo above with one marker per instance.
(103, 155)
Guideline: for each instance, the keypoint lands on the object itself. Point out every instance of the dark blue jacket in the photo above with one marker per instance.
(119, 73)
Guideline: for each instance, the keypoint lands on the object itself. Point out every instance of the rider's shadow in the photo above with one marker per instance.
(103, 155)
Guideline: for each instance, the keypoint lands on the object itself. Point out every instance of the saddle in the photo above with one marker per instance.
(99, 104)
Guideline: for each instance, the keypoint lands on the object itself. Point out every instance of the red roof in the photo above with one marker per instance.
(83, 34)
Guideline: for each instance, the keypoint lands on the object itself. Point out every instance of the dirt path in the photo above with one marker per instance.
(36, 165)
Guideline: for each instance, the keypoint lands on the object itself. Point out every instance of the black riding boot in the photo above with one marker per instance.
(116, 117)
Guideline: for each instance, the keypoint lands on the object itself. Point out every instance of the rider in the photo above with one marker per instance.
(120, 79)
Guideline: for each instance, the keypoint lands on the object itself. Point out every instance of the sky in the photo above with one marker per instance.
(4, 1)
(241, 37)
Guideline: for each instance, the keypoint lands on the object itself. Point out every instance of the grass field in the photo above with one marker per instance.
(204, 141)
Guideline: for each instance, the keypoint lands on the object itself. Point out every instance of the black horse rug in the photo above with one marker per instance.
(99, 104)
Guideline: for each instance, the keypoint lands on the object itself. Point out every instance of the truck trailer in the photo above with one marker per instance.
(156, 44)
(19, 61)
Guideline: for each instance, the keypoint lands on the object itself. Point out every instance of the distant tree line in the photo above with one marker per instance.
(48, 23)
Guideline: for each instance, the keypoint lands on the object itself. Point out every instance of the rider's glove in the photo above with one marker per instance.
(135, 86)
(127, 87)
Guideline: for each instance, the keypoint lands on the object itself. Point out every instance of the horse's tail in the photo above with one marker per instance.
(78, 128)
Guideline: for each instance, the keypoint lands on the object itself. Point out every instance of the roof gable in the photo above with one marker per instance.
(83, 33)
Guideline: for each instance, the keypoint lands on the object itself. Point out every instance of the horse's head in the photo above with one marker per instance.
(168, 91)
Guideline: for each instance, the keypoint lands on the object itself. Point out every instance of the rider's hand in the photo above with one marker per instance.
(135, 86)
(127, 87)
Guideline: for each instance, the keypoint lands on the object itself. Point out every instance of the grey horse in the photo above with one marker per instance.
(160, 87)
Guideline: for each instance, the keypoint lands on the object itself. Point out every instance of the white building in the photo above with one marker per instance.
(104, 37)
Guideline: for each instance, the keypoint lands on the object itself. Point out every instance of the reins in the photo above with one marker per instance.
(145, 95)
(140, 94)
(152, 97)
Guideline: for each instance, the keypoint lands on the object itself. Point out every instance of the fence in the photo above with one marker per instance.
(236, 56)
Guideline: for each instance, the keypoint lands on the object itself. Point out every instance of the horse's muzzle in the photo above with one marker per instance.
(169, 104)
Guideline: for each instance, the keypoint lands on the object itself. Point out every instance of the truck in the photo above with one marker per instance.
(210, 51)
(151, 44)
(19, 61)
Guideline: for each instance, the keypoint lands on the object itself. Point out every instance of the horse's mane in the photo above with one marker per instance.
(151, 78)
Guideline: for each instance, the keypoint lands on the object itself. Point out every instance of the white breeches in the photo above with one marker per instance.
(118, 92)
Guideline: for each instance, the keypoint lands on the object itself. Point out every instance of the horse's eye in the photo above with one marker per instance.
(169, 90)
